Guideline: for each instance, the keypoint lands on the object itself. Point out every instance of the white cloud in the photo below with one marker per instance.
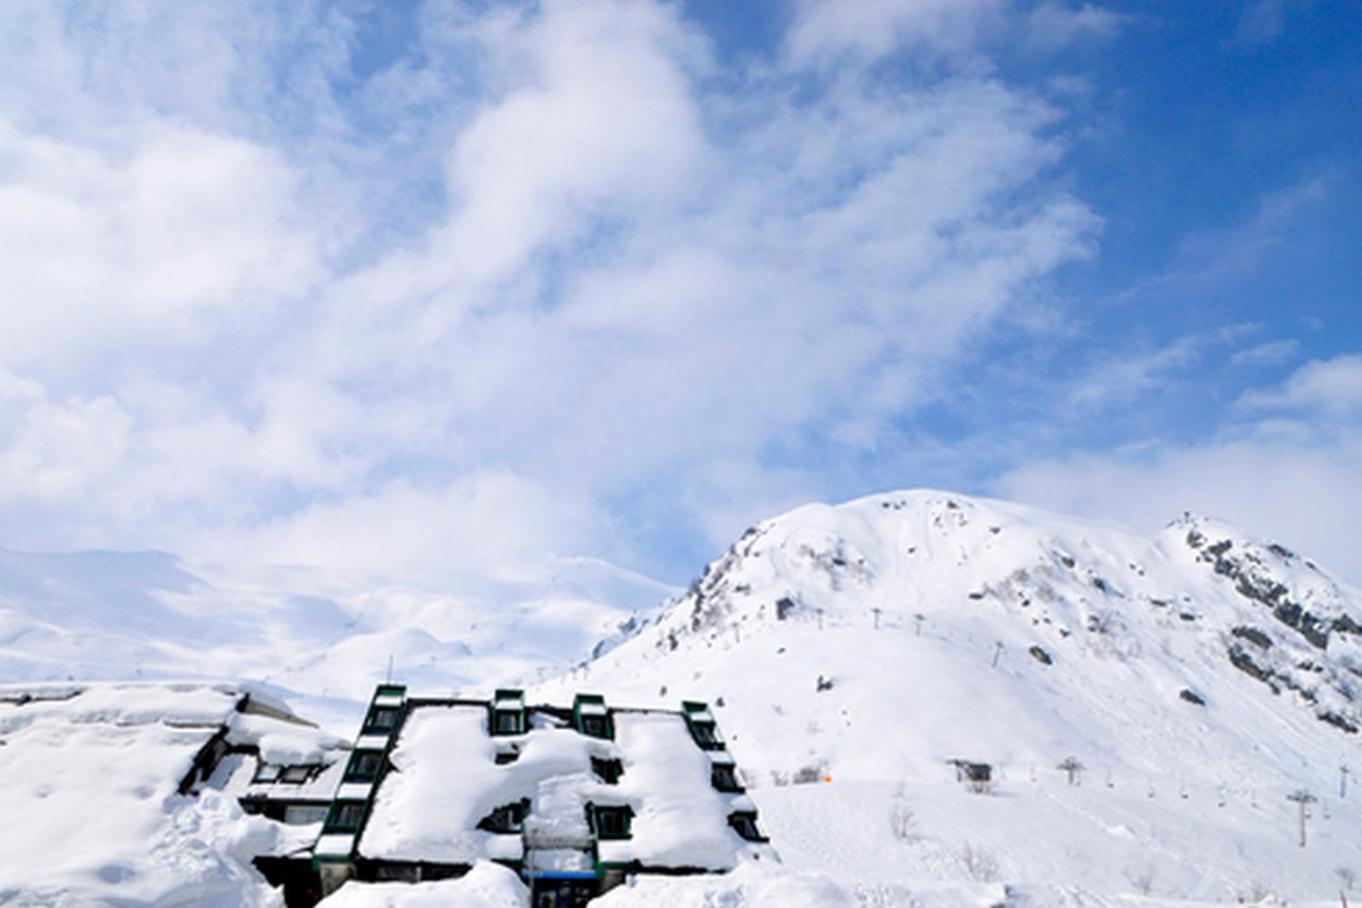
(56, 449)
(635, 267)
(827, 31)
(1126, 377)
(1264, 21)
(1304, 495)
(1294, 473)
(1330, 385)
(1214, 254)
(103, 249)
(1052, 25)
(490, 525)
(1268, 353)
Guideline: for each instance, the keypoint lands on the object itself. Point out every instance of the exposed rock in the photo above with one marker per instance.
(1253, 635)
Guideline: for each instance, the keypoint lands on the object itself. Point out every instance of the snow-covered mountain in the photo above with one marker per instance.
(329, 639)
(1198, 677)
(861, 659)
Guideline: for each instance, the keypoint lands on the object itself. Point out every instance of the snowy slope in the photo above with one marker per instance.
(100, 615)
(1192, 670)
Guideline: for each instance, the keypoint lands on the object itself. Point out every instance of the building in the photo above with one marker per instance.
(574, 798)
(121, 792)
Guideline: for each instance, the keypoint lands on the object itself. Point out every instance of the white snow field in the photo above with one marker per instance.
(1197, 679)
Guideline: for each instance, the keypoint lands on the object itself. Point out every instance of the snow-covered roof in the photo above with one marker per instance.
(447, 780)
(94, 773)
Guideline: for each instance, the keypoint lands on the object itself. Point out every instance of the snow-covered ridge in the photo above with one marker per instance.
(1048, 586)
(123, 616)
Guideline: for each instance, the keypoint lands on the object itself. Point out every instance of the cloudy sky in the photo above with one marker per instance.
(446, 287)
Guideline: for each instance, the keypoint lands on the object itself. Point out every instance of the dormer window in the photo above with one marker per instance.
(706, 735)
(745, 825)
(506, 722)
(296, 775)
(608, 771)
(724, 777)
(610, 822)
(382, 718)
(591, 717)
(508, 713)
(267, 773)
(364, 766)
(346, 816)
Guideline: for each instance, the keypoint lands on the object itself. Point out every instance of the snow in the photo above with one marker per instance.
(91, 807)
(750, 886)
(681, 821)
(487, 885)
(447, 780)
(335, 844)
(282, 743)
(1128, 623)
(321, 640)
(848, 654)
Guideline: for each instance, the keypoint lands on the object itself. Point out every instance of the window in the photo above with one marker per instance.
(347, 817)
(364, 766)
(303, 814)
(594, 726)
(608, 771)
(505, 722)
(745, 825)
(383, 718)
(610, 822)
(705, 734)
(509, 755)
(267, 772)
(296, 775)
(724, 777)
(401, 873)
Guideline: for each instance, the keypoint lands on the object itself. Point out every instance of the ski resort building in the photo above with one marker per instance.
(574, 798)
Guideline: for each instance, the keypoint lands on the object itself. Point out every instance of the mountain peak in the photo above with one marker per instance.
(1019, 634)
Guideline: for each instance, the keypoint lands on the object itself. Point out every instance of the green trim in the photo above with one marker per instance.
(350, 777)
(518, 712)
(608, 721)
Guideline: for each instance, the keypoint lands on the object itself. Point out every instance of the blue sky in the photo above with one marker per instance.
(441, 290)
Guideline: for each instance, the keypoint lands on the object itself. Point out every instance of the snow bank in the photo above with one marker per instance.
(750, 886)
(487, 885)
